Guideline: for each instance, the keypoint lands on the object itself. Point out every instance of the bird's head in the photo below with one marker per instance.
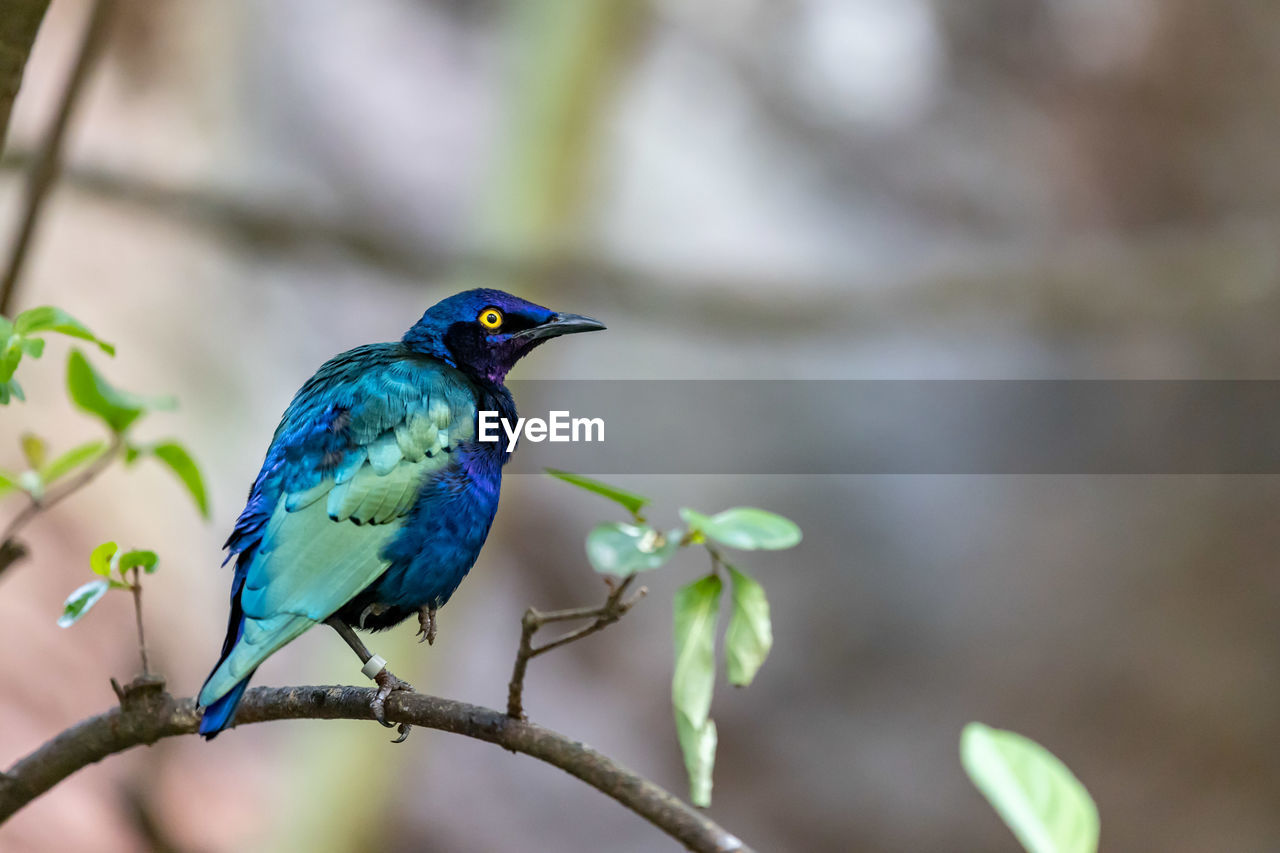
(485, 332)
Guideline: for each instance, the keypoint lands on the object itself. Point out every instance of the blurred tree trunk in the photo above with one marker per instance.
(19, 23)
(566, 58)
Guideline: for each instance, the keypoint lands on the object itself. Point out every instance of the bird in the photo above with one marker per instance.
(376, 494)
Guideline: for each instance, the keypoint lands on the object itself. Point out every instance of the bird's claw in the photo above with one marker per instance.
(427, 625)
(388, 684)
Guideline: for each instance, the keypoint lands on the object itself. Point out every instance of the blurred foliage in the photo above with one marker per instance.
(93, 394)
(24, 336)
(1037, 796)
(119, 411)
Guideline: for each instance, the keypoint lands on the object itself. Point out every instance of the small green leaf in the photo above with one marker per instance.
(745, 528)
(33, 447)
(147, 560)
(630, 500)
(6, 327)
(33, 347)
(49, 319)
(180, 462)
(92, 393)
(75, 457)
(8, 482)
(1037, 796)
(79, 602)
(698, 746)
(750, 634)
(697, 606)
(13, 388)
(101, 560)
(624, 549)
(11, 358)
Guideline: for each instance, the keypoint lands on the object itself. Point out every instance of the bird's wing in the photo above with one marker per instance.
(349, 460)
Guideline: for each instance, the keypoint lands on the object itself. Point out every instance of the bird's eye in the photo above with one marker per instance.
(490, 318)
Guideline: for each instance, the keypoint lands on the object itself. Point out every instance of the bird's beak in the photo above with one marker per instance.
(561, 324)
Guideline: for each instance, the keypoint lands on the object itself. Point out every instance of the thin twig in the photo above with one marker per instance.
(10, 549)
(44, 171)
(136, 588)
(147, 714)
(605, 615)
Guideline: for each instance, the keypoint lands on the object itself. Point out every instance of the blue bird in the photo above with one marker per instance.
(376, 496)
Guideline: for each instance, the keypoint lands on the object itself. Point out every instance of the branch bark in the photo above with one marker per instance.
(147, 713)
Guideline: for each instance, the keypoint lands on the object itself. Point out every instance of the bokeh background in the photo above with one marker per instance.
(866, 189)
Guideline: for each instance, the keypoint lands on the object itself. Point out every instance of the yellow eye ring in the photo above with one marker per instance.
(490, 318)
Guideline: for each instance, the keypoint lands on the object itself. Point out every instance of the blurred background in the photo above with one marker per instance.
(818, 189)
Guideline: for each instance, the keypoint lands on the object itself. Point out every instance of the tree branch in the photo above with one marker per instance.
(44, 171)
(605, 615)
(11, 550)
(1080, 284)
(147, 713)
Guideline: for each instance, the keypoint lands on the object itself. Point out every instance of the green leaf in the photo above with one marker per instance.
(147, 560)
(624, 549)
(750, 634)
(92, 393)
(630, 500)
(8, 482)
(1037, 796)
(699, 748)
(100, 560)
(697, 606)
(12, 387)
(49, 319)
(34, 449)
(33, 347)
(180, 462)
(6, 327)
(10, 359)
(75, 457)
(79, 602)
(745, 528)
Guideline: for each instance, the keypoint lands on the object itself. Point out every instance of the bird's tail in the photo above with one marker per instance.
(218, 714)
(219, 709)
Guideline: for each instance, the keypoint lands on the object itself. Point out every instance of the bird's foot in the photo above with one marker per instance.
(427, 625)
(388, 684)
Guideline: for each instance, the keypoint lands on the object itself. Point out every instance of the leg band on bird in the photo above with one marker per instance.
(373, 666)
